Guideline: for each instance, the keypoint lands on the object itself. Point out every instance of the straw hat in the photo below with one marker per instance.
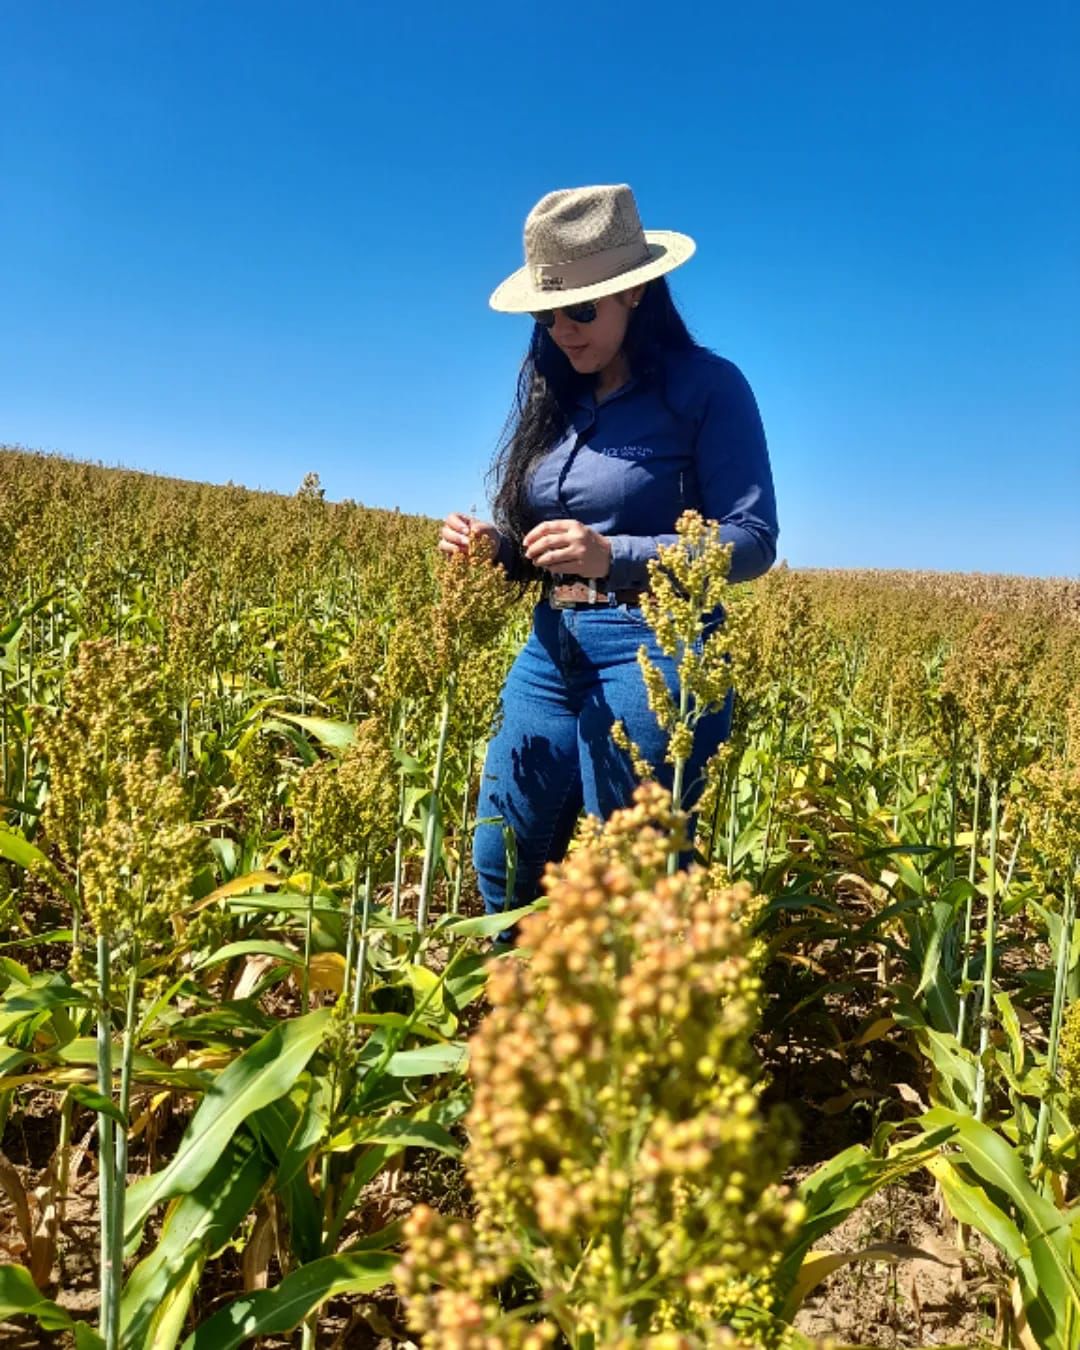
(582, 243)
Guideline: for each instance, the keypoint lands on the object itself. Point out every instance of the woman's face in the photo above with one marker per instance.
(591, 347)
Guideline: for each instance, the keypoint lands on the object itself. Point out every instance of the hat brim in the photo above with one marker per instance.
(519, 295)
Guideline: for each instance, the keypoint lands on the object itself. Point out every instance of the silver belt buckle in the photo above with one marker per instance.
(567, 594)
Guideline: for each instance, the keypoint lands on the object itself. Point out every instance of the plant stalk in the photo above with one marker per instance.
(988, 958)
(108, 1284)
(969, 906)
(427, 876)
(1042, 1128)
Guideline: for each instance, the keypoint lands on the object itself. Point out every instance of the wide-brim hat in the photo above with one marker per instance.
(582, 243)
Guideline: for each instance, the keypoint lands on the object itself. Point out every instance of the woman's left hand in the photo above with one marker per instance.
(568, 546)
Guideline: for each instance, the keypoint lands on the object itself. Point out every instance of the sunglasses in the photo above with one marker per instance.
(583, 313)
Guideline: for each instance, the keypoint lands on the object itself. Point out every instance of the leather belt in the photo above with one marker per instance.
(588, 595)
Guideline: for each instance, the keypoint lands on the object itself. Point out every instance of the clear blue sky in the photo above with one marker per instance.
(245, 240)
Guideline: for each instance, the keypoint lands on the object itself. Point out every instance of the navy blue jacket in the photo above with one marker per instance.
(688, 437)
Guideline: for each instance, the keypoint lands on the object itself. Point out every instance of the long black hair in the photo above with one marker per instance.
(547, 389)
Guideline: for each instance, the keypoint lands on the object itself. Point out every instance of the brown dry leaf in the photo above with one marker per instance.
(819, 1265)
(254, 968)
(11, 1184)
(260, 1247)
(907, 1094)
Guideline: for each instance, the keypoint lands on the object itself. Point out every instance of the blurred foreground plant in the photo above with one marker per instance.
(623, 1170)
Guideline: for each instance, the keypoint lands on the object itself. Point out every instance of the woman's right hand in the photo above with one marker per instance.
(456, 529)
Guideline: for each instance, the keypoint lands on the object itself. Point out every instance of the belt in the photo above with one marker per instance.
(588, 595)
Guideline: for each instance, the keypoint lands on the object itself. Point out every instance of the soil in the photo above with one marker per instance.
(932, 1296)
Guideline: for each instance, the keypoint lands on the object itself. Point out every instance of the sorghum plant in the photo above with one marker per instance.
(119, 818)
(472, 607)
(988, 675)
(1054, 825)
(619, 1157)
(687, 588)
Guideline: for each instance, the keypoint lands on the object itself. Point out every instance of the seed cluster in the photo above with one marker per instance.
(616, 1119)
(687, 581)
(115, 808)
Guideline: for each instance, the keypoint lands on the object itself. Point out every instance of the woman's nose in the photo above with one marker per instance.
(563, 326)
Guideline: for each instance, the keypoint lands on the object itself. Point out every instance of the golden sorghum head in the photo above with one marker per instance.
(614, 1094)
(988, 674)
(114, 713)
(1069, 1061)
(1053, 805)
(139, 860)
(256, 774)
(320, 815)
(301, 652)
(190, 623)
(688, 585)
(643, 770)
(474, 603)
(347, 806)
(368, 781)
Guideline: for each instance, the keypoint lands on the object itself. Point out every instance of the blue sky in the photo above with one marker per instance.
(248, 240)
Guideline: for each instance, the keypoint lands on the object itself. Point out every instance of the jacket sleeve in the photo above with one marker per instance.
(735, 481)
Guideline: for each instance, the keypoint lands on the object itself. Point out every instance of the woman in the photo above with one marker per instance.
(622, 422)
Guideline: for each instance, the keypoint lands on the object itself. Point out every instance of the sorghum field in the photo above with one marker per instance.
(262, 1082)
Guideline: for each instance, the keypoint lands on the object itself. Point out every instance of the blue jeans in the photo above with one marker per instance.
(553, 752)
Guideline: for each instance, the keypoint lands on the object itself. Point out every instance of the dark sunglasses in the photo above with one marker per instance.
(583, 313)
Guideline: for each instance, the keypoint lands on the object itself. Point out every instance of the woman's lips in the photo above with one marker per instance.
(574, 351)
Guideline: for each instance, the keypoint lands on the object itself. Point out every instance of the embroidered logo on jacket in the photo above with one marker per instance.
(630, 451)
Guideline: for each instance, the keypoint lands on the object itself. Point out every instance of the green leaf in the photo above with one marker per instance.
(20, 1297)
(467, 981)
(97, 1101)
(486, 925)
(953, 1081)
(277, 1125)
(59, 935)
(943, 912)
(969, 1203)
(252, 947)
(278, 1311)
(428, 989)
(1049, 1283)
(48, 993)
(15, 970)
(427, 1059)
(20, 851)
(145, 1067)
(334, 735)
(311, 1125)
(368, 1166)
(197, 1226)
(263, 1073)
(401, 1130)
(12, 1059)
(280, 901)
